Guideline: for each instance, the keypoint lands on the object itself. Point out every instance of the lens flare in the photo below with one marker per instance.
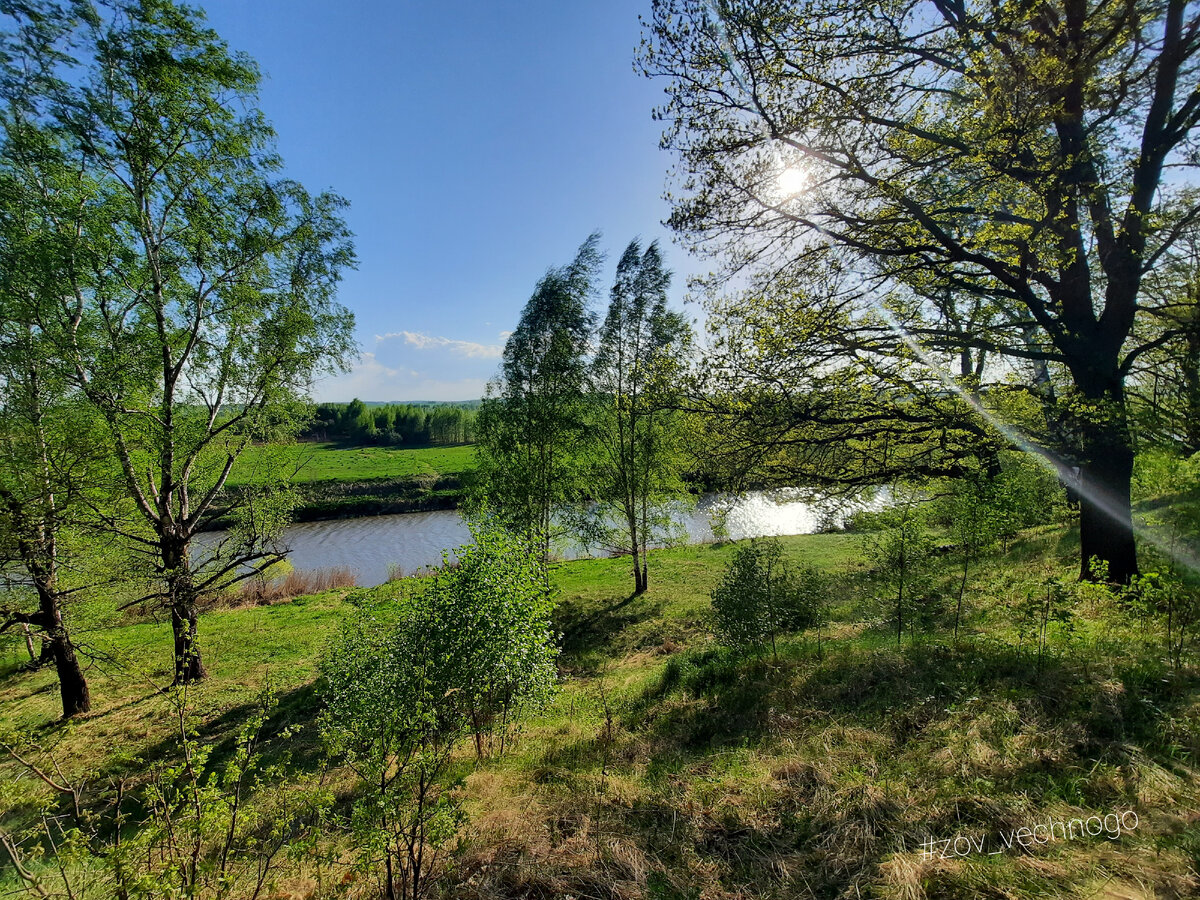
(1043, 456)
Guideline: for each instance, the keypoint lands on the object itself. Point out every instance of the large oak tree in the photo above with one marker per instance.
(1004, 174)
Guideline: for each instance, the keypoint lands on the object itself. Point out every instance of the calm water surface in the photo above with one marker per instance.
(371, 545)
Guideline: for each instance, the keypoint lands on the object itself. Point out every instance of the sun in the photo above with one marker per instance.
(792, 181)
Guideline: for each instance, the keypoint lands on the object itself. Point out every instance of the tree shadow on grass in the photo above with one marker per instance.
(838, 823)
(290, 728)
(709, 699)
(596, 630)
(737, 702)
(296, 709)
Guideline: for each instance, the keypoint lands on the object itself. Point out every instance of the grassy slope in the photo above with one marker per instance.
(664, 769)
(335, 480)
(334, 462)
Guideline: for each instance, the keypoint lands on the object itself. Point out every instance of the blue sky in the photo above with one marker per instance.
(478, 143)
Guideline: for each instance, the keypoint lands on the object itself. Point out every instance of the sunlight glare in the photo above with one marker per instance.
(792, 181)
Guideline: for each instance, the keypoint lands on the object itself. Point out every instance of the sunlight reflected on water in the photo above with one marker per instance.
(372, 545)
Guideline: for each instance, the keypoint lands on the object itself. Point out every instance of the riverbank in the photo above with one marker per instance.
(334, 481)
(665, 768)
(321, 500)
(373, 548)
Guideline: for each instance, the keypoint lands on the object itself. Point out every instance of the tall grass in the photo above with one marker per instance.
(256, 592)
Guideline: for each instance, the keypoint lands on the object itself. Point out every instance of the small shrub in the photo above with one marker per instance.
(492, 602)
(972, 513)
(760, 596)
(1045, 619)
(901, 557)
(405, 684)
(393, 717)
(1158, 472)
(804, 598)
(1026, 494)
(807, 602)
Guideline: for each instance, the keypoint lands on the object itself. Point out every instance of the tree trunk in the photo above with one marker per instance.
(1106, 511)
(1191, 380)
(962, 589)
(903, 563)
(189, 667)
(181, 600)
(56, 644)
(76, 698)
(1106, 461)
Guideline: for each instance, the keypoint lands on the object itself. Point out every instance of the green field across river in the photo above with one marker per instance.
(336, 480)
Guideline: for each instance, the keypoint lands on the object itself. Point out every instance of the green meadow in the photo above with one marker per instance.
(336, 480)
(317, 462)
(667, 767)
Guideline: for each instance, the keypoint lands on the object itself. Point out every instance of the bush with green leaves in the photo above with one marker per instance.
(393, 718)
(901, 558)
(1025, 494)
(1161, 473)
(807, 601)
(405, 683)
(761, 595)
(492, 604)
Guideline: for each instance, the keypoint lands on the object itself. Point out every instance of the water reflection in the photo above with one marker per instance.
(371, 546)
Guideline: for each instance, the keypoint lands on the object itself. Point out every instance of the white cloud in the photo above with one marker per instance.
(371, 379)
(467, 349)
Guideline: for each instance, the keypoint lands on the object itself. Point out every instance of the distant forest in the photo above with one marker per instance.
(394, 424)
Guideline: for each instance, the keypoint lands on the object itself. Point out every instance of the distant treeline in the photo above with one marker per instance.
(394, 424)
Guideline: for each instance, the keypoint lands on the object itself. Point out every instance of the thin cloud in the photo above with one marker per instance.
(371, 379)
(466, 349)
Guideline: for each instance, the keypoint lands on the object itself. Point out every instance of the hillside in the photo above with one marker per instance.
(337, 480)
(667, 768)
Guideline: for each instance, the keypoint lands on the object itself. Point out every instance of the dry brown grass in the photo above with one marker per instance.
(298, 583)
(513, 856)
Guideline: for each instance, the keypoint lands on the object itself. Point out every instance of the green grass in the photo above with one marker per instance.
(335, 481)
(667, 768)
(334, 462)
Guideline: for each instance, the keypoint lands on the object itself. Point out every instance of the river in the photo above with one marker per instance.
(372, 545)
